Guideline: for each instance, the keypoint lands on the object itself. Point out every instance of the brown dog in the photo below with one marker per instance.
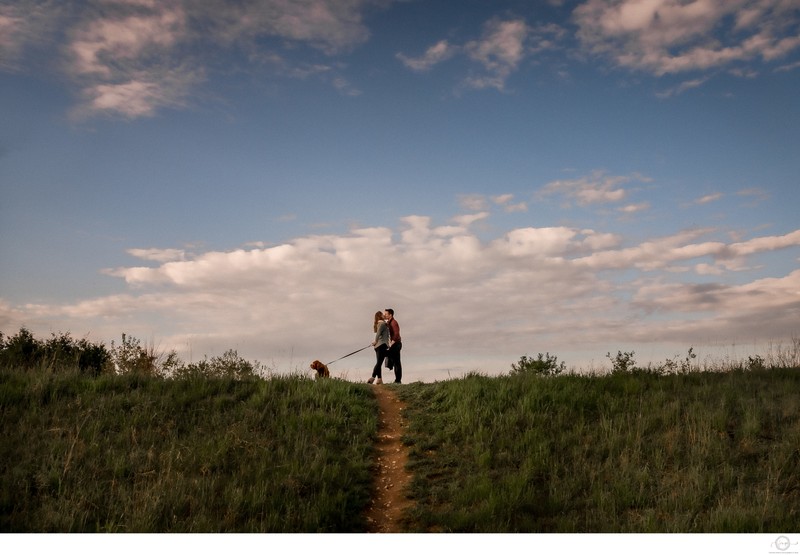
(322, 370)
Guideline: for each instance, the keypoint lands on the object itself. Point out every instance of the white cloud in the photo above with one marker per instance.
(124, 60)
(788, 67)
(469, 219)
(597, 188)
(538, 243)
(704, 269)
(663, 252)
(158, 255)
(505, 202)
(499, 51)
(462, 300)
(517, 207)
(674, 36)
(473, 202)
(708, 198)
(634, 208)
(761, 244)
(101, 44)
(481, 203)
(130, 58)
(502, 199)
(683, 87)
(9, 48)
(504, 44)
(755, 195)
(332, 26)
(434, 55)
(135, 98)
(778, 296)
(28, 26)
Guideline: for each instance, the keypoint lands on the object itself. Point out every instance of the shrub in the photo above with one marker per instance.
(21, 350)
(129, 357)
(674, 366)
(61, 351)
(755, 363)
(622, 363)
(229, 365)
(542, 365)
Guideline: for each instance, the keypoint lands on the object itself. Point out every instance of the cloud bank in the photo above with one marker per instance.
(465, 301)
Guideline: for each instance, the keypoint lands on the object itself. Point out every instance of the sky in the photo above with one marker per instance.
(512, 177)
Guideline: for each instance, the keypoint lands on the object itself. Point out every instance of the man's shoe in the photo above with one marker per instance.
(378, 381)
(370, 380)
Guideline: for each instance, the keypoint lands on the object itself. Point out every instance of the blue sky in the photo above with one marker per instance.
(512, 177)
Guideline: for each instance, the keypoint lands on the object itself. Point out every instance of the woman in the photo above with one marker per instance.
(381, 345)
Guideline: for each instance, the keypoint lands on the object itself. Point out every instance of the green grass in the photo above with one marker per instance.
(634, 452)
(126, 440)
(144, 454)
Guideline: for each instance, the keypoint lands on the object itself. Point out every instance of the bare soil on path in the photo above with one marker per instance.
(389, 498)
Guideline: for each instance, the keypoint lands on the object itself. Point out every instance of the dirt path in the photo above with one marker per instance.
(391, 478)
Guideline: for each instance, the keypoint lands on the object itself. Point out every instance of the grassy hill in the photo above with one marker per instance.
(629, 452)
(145, 454)
(97, 440)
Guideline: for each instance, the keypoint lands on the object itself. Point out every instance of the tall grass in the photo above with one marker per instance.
(626, 452)
(136, 453)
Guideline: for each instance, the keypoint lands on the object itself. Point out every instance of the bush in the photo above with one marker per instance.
(542, 365)
(60, 351)
(229, 365)
(129, 357)
(675, 366)
(622, 363)
(20, 350)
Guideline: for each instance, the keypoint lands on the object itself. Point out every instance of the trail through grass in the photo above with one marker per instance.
(389, 505)
(627, 452)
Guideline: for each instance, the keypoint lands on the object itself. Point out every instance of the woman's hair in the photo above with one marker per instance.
(378, 318)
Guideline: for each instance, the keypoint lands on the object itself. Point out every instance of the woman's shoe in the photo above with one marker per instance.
(370, 380)
(378, 381)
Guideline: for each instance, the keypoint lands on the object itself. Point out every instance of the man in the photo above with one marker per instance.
(395, 344)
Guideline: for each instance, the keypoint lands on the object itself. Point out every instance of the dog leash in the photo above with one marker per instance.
(351, 354)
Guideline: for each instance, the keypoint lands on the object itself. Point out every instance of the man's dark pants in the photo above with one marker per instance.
(394, 361)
